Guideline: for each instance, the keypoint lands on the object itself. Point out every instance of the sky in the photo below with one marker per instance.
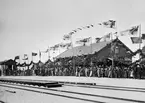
(28, 26)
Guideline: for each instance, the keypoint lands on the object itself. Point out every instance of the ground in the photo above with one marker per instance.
(105, 90)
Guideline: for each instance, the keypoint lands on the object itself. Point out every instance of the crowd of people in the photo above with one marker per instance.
(78, 66)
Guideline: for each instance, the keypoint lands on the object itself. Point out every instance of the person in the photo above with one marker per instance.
(98, 71)
(86, 71)
(110, 72)
(91, 71)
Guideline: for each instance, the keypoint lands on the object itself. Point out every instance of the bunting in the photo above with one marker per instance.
(55, 47)
(88, 26)
(52, 48)
(66, 37)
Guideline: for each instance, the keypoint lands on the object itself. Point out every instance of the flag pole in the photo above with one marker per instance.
(91, 50)
(19, 59)
(112, 51)
(28, 63)
(91, 56)
(59, 50)
(19, 63)
(39, 55)
(73, 63)
(32, 58)
(32, 69)
(48, 53)
(140, 40)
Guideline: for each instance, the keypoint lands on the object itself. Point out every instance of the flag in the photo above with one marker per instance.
(97, 40)
(136, 40)
(52, 48)
(75, 30)
(132, 31)
(66, 37)
(85, 40)
(143, 36)
(62, 45)
(88, 26)
(107, 37)
(79, 28)
(92, 25)
(34, 54)
(25, 57)
(109, 24)
(47, 50)
(71, 33)
(17, 57)
(67, 45)
(56, 46)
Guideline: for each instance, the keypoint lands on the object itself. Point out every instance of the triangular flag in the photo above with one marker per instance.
(136, 40)
(133, 31)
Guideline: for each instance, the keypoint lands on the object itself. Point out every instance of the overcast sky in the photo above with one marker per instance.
(33, 25)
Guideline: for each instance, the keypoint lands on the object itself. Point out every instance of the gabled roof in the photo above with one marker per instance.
(8, 62)
(85, 50)
(142, 51)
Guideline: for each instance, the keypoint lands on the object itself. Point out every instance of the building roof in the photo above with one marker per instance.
(8, 62)
(85, 50)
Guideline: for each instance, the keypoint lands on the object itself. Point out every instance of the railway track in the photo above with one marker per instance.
(66, 92)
